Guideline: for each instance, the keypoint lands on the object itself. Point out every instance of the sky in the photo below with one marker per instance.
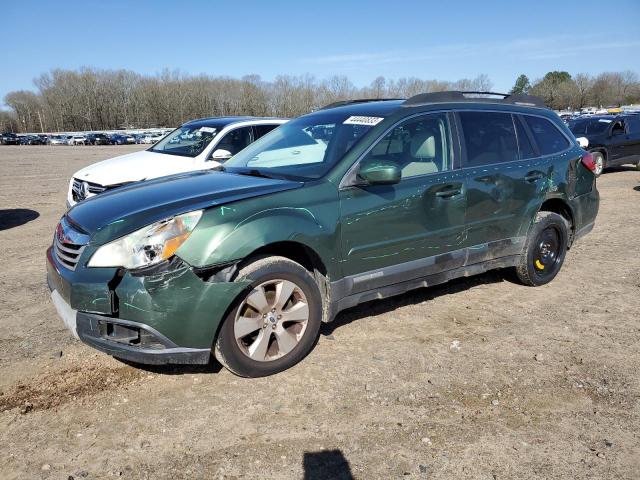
(359, 39)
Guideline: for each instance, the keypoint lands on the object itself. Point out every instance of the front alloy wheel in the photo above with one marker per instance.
(271, 320)
(275, 323)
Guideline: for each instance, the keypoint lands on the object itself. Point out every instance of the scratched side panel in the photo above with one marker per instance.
(178, 304)
(307, 215)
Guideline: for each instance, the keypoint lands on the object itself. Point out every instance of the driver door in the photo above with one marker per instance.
(393, 233)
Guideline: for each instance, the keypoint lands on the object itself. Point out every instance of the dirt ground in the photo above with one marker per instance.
(480, 378)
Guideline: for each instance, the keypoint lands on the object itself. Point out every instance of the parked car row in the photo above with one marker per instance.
(246, 234)
(81, 139)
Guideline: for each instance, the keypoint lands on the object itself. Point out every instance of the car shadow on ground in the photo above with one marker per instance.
(413, 297)
(620, 168)
(637, 188)
(212, 367)
(326, 464)
(14, 217)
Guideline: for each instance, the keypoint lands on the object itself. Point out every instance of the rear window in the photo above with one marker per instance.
(489, 137)
(549, 139)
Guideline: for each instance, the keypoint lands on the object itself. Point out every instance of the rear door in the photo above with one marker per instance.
(633, 126)
(505, 178)
(388, 230)
(621, 145)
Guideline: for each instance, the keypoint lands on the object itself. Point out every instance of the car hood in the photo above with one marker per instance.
(134, 167)
(113, 214)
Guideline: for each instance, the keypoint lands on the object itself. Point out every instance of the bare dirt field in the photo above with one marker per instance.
(481, 378)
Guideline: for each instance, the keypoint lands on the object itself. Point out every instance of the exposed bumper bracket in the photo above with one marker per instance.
(118, 338)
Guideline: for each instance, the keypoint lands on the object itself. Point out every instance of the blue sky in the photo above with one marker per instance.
(394, 38)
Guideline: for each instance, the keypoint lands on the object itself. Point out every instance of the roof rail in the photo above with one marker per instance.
(458, 96)
(342, 103)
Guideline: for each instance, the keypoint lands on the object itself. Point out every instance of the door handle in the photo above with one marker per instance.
(533, 176)
(449, 192)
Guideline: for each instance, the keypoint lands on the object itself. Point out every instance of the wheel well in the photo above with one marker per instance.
(310, 260)
(603, 151)
(295, 251)
(560, 207)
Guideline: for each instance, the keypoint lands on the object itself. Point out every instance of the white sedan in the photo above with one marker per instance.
(196, 145)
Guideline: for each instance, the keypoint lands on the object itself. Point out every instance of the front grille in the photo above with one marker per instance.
(81, 190)
(68, 244)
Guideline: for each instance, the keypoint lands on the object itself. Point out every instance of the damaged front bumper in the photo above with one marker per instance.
(168, 316)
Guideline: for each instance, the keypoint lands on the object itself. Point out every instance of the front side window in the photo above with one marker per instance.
(489, 138)
(186, 141)
(305, 148)
(235, 140)
(419, 146)
(618, 128)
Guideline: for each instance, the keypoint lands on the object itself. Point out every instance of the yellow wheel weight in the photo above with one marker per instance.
(539, 265)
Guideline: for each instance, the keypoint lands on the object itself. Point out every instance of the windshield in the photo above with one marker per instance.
(591, 125)
(186, 141)
(307, 147)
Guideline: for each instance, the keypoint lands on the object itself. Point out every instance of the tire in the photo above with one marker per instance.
(637, 165)
(598, 159)
(256, 342)
(545, 250)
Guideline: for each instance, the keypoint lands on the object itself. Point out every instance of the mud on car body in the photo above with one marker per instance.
(357, 201)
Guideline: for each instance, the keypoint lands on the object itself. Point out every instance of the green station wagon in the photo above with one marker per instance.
(357, 201)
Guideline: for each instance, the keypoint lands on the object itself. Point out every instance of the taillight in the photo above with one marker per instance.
(587, 161)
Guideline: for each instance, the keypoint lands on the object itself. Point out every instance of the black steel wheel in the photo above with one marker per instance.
(545, 249)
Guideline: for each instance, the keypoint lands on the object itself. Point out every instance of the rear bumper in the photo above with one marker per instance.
(583, 231)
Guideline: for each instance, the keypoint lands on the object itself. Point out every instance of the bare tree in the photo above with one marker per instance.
(94, 99)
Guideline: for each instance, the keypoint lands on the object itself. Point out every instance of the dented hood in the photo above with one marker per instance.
(123, 210)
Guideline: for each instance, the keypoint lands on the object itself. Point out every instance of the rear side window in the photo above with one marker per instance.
(549, 139)
(489, 137)
(261, 130)
(526, 149)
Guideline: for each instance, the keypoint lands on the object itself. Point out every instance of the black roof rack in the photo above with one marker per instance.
(342, 103)
(457, 96)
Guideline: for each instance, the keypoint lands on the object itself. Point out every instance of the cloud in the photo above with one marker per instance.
(537, 48)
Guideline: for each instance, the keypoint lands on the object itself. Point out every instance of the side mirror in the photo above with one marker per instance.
(380, 173)
(583, 142)
(221, 155)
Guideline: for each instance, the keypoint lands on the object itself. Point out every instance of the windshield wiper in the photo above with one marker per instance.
(253, 172)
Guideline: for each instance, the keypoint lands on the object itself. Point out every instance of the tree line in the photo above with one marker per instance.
(562, 91)
(94, 99)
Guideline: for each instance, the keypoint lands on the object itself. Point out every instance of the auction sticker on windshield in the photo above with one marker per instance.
(369, 121)
(207, 130)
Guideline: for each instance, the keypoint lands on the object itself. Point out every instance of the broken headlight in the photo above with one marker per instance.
(149, 245)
